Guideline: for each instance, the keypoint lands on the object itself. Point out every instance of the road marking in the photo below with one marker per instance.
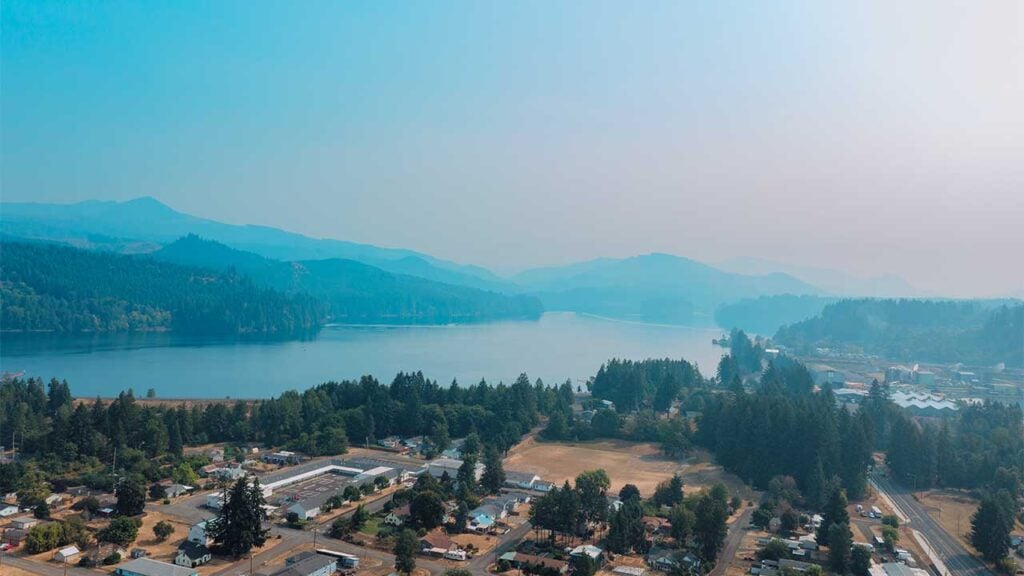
(892, 504)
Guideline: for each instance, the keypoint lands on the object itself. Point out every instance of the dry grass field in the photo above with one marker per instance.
(948, 508)
(641, 464)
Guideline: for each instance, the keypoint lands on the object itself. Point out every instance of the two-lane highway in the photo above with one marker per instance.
(951, 551)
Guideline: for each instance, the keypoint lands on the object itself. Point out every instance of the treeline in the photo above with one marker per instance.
(781, 429)
(68, 442)
(53, 288)
(972, 332)
(979, 448)
(651, 383)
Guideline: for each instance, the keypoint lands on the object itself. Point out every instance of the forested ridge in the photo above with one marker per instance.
(46, 287)
(354, 292)
(972, 332)
(199, 287)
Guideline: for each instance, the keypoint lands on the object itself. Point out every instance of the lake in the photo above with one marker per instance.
(557, 347)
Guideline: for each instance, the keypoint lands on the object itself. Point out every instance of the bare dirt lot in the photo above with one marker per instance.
(638, 463)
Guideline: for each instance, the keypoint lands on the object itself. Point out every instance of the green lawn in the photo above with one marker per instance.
(373, 525)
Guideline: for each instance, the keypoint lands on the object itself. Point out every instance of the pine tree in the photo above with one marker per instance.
(834, 513)
(493, 477)
(990, 528)
(840, 540)
(239, 528)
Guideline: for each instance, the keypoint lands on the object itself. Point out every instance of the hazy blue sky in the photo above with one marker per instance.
(877, 138)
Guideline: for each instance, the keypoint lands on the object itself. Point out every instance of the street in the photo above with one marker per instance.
(958, 560)
(732, 541)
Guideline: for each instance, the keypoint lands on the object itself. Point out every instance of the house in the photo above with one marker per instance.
(595, 553)
(282, 458)
(629, 571)
(230, 473)
(208, 469)
(191, 554)
(397, 516)
(14, 536)
(664, 559)
(438, 468)
(53, 499)
(523, 480)
(393, 442)
(216, 455)
(8, 511)
(78, 491)
(24, 522)
(614, 503)
(531, 563)
(655, 525)
(198, 534)
(436, 543)
(480, 521)
(308, 564)
(505, 503)
(66, 554)
(148, 567)
(543, 486)
(176, 490)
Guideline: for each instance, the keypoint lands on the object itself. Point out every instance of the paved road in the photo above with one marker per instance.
(46, 569)
(732, 541)
(958, 560)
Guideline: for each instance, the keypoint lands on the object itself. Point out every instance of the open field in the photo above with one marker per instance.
(641, 464)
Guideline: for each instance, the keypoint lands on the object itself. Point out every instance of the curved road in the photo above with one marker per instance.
(958, 560)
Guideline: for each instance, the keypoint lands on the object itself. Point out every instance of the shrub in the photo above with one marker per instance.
(112, 559)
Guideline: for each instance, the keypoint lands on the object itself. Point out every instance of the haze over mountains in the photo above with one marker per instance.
(652, 287)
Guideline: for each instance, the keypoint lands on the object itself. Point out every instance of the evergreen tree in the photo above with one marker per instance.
(834, 513)
(626, 528)
(840, 540)
(991, 526)
(493, 477)
(131, 497)
(709, 526)
(239, 527)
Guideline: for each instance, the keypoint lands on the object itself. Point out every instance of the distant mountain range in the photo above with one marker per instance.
(144, 224)
(833, 282)
(650, 288)
(355, 292)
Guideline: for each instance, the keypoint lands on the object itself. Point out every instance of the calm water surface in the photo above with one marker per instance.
(557, 347)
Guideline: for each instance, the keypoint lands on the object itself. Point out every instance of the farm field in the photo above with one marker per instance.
(638, 463)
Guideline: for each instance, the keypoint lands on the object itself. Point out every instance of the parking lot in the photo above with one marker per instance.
(326, 484)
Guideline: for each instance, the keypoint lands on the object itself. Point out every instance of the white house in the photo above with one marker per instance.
(8, 511)
(191, 554)
(197, 534)
(66, 554)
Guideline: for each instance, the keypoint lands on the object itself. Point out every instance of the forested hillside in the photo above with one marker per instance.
(766, 314)
(972, 332)
(60, 289)
(355, 292)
